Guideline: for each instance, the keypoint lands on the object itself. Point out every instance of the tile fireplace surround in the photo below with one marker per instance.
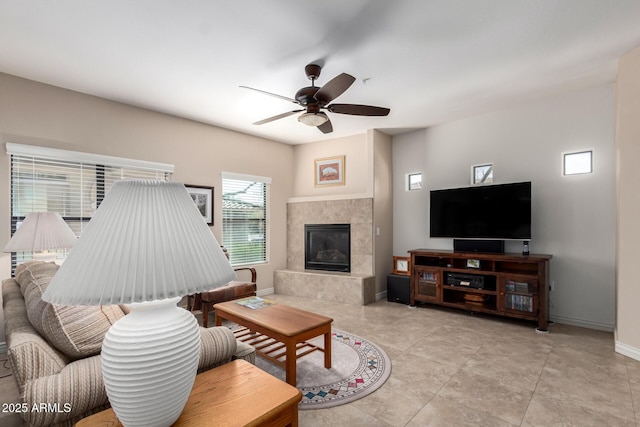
(357, 287)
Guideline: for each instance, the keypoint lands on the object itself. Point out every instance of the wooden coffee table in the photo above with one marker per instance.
(279, 332)
(234, 394)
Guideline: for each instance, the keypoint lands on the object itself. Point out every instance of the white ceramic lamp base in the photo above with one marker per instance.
(150, 361)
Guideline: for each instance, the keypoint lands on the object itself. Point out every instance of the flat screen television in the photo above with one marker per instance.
(500, 212)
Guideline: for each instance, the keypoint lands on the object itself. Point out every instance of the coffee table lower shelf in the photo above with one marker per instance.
(272, 349)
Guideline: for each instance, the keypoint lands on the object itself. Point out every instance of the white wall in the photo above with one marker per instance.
(573, 217)
(382, 210)
(628, 174)
(358, 168)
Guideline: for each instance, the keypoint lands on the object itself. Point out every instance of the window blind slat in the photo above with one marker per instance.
(244, 218)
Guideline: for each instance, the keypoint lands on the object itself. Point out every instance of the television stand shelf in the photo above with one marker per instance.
(511, 285)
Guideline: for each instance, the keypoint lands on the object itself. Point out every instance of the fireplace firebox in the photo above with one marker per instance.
(327, 247)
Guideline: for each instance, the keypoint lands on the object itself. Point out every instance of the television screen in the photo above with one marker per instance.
(482, 212)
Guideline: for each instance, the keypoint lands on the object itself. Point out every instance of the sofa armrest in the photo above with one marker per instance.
(31, 357)
(29, 354)
(218, 345)
(245, 352)
(73, 393)
(78, 389)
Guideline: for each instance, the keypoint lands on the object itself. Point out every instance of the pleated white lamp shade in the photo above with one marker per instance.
(147, 241)
(41, 231)
(148, 245)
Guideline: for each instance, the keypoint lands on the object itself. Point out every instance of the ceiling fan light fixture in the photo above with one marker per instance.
(313, 119)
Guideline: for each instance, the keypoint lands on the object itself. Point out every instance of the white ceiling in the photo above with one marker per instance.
(428, 60)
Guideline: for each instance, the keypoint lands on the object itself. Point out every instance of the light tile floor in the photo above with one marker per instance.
(452, 368)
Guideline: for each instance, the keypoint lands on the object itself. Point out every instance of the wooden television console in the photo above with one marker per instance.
(511, 285)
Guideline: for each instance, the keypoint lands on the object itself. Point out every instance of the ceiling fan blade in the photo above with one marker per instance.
(286, 98)
(358, 110)
(326, 127)
(334, 88)
(278, 117)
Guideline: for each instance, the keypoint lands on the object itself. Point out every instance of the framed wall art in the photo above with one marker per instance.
(203, 198)
(329, 171)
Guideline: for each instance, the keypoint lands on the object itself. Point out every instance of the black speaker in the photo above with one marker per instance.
(488, 246)
(399, 288)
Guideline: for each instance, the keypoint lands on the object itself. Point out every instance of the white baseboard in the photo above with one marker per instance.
(381, 295)
(607, 327)
(627, 350)
(3, 347)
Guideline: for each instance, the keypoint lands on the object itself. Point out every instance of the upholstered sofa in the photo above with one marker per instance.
(54, 350)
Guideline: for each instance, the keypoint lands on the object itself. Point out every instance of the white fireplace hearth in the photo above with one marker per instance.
(346, 288)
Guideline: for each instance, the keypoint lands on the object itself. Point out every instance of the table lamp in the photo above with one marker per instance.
(147, 245)
(41, 232)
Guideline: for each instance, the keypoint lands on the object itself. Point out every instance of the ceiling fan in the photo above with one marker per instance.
(314, 99)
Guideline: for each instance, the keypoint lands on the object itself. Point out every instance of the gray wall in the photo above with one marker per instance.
(573, 217)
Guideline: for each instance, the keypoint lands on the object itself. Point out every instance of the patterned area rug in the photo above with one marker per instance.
(358, 368)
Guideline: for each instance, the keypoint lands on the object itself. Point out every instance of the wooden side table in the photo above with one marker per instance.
(234, 394)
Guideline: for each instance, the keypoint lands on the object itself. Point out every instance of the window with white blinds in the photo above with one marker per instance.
(70, 183)
(244, 217)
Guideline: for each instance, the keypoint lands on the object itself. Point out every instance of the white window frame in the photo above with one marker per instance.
(485, 180)
(566, 156)
(70, 183)
(237, 256)
(80, 157)
(408, 186)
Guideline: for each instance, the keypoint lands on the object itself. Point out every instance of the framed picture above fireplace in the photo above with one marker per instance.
(329, 171)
